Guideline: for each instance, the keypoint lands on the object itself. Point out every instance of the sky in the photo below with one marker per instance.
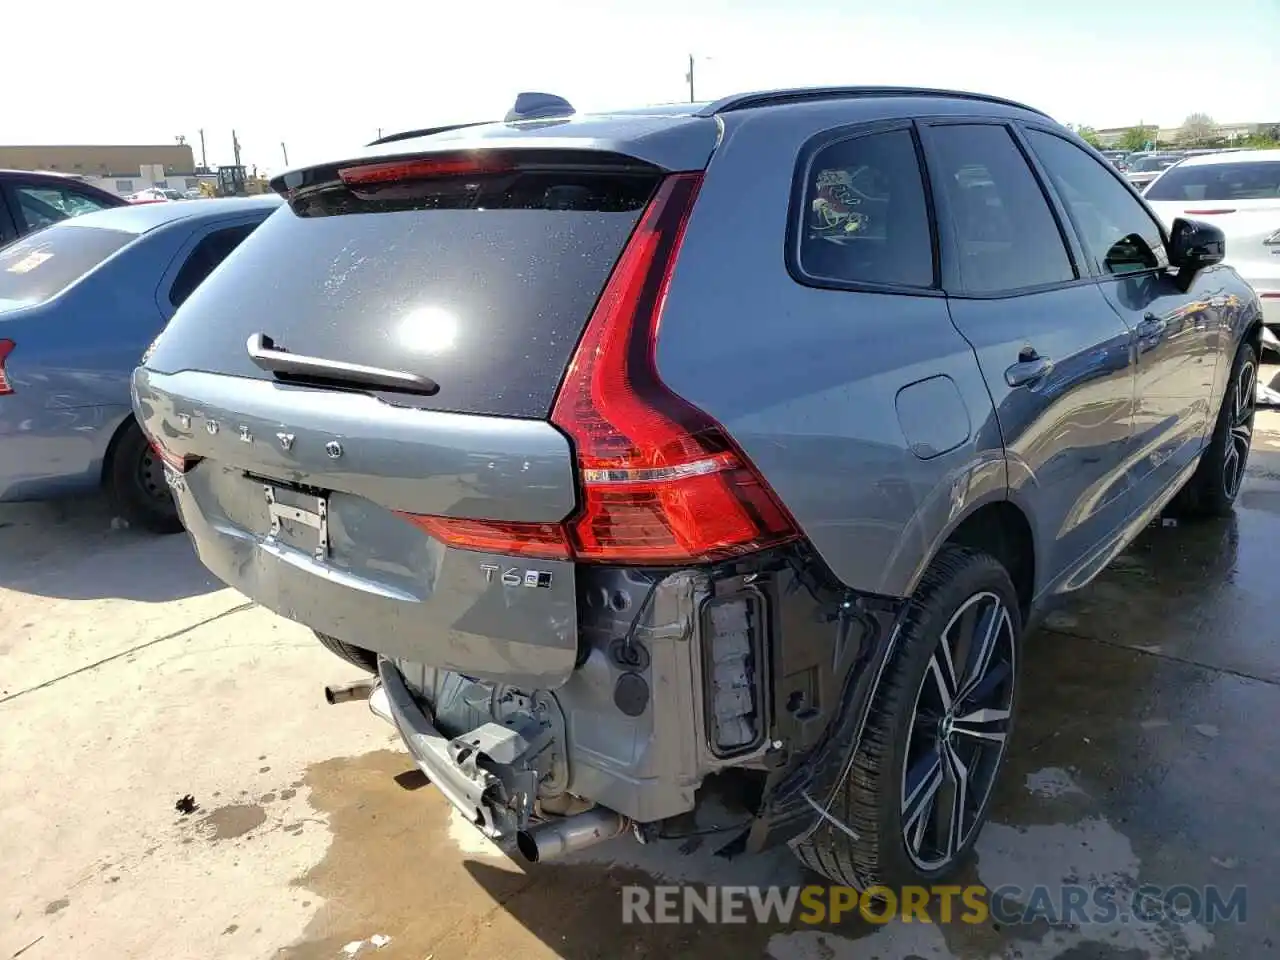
(323, 78)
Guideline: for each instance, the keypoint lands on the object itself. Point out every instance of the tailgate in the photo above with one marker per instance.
(373, 371)
(268, 459)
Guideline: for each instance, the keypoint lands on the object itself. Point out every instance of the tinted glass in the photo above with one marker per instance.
(1117, 231)
(865, 218)
(1259, 180)
(1152, 164)
(43, 264)
(42, 206)
(209, 252)
(1003, 232)
(482, 283)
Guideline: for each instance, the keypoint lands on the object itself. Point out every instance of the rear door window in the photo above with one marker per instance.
(1117, 231)
(208, 253)
(1249, 180)
(865, 220)
(1003, 233)
(41, 265)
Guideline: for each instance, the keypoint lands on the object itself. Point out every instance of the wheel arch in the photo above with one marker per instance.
(1000, 528)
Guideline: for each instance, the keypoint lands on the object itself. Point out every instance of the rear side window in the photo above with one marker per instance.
(43, 264)
(1004, 235)
(209, 252)
(1259, 180)
(865, 219)
(1119, 234)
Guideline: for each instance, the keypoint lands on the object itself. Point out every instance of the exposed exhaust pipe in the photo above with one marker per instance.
(557, 838)
(355, 690)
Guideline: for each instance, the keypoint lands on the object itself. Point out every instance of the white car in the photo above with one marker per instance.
(1240, 193)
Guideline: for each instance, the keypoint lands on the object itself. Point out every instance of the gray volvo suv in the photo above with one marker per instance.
(736, 443)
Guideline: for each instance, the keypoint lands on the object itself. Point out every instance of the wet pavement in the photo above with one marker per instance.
(1145, 755)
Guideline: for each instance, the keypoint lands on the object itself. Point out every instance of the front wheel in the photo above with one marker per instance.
(916, 794)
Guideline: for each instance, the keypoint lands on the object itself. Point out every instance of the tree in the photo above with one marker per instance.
(1088, 135)
(1198, 128)
(1135, 138)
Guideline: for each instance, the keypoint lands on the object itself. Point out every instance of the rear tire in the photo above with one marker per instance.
(366, 660)
(136, 484)
(930, 729)
(1213, 488)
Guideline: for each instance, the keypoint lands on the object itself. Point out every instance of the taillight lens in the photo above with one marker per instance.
(175, 461)
(399, 171)
(6, 348)
(547, 540)
(661, 481)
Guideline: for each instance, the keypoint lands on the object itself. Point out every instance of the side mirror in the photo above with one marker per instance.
(1194, 245)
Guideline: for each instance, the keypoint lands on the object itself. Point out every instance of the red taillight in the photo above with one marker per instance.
(174, 461)
(489, 536)
(662, 482)
(6, 348)
(396, 171)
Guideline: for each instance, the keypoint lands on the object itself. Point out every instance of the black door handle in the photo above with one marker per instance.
(1027, 370)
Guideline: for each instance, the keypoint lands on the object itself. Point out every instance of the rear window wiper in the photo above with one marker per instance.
(301, 369)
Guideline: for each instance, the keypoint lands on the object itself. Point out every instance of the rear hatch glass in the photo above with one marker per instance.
(43, 264)
(480, 280)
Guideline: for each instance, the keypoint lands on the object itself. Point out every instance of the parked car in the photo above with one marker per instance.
(155, 195)
(1239, 192)
(1145, 168)
(31, 200)
(79, 303)
(635, 449)
(1119, 158)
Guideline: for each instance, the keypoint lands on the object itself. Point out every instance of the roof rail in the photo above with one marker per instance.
(771, 98)
(426, 132)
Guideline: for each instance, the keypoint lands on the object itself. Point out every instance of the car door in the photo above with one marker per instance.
(1054, 355)
(1178, 335)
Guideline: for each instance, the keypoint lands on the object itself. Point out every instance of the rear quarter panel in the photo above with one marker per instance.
(811, 382)
(71, 370)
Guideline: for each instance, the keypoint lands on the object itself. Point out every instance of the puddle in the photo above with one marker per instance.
(234, 820)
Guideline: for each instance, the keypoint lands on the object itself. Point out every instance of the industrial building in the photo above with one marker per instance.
(120, 169)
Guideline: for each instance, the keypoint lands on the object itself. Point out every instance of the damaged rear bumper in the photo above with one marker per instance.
(772, 658)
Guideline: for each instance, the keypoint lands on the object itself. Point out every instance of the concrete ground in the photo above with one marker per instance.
(129, 680)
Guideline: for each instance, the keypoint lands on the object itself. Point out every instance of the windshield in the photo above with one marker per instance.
(43, 264)
(1256, 180)
(1152, 164)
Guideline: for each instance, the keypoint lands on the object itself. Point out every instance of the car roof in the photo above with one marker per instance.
(1234, 156)
(143, 217)
(622, 129)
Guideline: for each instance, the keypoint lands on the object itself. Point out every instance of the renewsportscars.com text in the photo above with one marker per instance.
(974, 904)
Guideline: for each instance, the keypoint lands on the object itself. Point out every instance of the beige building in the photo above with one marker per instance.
(122, 170)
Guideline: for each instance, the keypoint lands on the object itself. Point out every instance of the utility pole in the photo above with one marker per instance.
(235, 147)
(204, 161)
(285, 151)
(689, 76)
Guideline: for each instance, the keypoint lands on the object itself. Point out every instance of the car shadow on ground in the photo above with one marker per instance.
(79, 550)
